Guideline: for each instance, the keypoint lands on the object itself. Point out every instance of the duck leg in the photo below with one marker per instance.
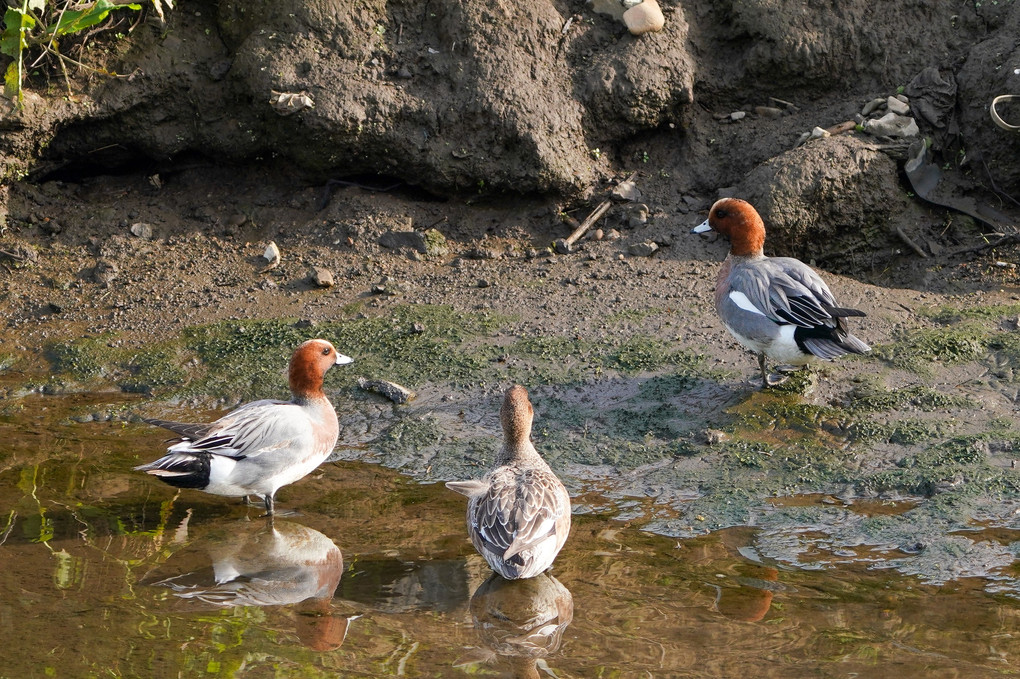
(768, 380)
(269, 504)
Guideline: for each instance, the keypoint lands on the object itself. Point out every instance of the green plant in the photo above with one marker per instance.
(37, 26)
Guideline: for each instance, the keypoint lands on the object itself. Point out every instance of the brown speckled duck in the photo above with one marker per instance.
(518, 515)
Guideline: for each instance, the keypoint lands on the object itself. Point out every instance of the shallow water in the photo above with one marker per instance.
(107, 572)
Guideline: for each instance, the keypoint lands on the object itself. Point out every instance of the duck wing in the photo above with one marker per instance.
(519, 510)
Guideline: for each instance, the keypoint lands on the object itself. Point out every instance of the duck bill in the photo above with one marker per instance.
(702, 227)
(343, 360)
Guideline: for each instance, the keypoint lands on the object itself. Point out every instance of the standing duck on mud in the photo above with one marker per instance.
(775, 306)
(261, 446)
(518, 515)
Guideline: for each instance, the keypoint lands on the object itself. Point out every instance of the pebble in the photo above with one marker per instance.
(715, 436)
(646, 249)
(598, 234)
(637, 216)
(483, 283)
(613, 234)
(768, 111)
(395, 240)
(272, 254)
(816, 133)
(321, 277)
(738, 115)
(391, 390)
(897, 106)
(872, 105)
(644, 18)
(562, 247)
(104, 272)
(626, 191)
(142, 230)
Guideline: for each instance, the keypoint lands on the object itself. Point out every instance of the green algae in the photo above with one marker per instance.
(919, 350)
(951, 314)
(413, 345)
(869, 395)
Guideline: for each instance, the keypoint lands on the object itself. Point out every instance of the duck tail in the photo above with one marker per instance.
(828, 349)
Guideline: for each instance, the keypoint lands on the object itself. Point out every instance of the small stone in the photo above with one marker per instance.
(637, 216)
(714, 436)
(483, 252)
(613, 234)
(872, 106)
(562, 246)
(892, 125)
(483, 283)
(404, 73)
(142, 230)
(897, 106)
(626, 191)
(737, 115)
(321, 277)
(646, 249)
(644, 18)
(104, 272)
(391, 390)
(272, 254)
(397, 240)
(768, 111)
(598, 234)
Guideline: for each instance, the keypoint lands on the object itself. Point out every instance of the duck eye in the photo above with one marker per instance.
(325, 352)
(721, 213)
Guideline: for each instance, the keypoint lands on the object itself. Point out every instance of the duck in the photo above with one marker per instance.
(778, 307)
(518, 515)
(261, 446)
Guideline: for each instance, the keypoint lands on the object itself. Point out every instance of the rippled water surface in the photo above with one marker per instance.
(106, 572)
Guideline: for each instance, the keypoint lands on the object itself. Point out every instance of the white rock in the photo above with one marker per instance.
(626, 190)
(142, 230)
(737, 115)
(897, 106)
(644, 18)
(892, 125)
(272, 254)
(287, 103)
(646, 249)
(322, 278)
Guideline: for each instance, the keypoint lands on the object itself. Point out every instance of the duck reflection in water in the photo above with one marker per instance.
(520, 620)
(270, 563)
(751, 598)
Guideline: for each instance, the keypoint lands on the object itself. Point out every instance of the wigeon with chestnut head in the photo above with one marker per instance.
(777, 307)
(261, 446)
(518, 515)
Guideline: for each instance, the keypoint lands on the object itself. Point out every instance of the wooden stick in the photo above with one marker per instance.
(587, 223)
(842, 127)
(913, 246)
